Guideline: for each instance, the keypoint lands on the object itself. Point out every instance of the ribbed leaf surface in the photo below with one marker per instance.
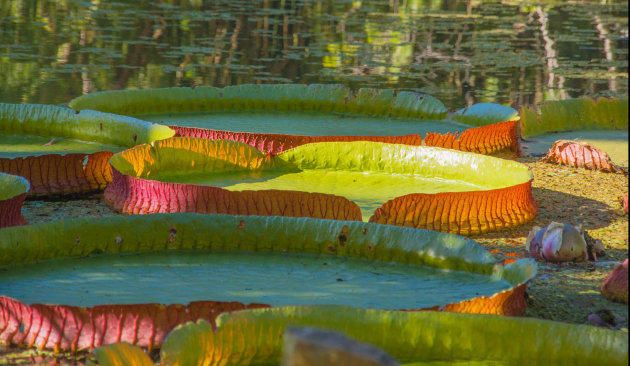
(71, 328)
(316, 97)
(380, 103)
(575, 114)
(465, 193)
(12, 194)
(48, 120)
(122, 354)
(255, 338)
(74, 328)
(62, 151)
(483, 140)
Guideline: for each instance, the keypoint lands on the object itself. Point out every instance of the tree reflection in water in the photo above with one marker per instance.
(462, 52)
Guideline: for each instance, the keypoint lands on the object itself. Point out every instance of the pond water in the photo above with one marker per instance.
(271, 278)
(462, 52)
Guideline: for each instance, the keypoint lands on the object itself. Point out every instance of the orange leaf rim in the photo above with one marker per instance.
(316, 97)
(62, 174)
(74, 328)
(274, 143)
(462, 213)
(490, 139)
(63, 328)
(136, 187)
(13, 191)
(53, 172)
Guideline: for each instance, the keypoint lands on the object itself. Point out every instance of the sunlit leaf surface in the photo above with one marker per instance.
(418, 338)
(415, 186)
(117, 262)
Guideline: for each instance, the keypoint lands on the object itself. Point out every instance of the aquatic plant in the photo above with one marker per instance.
(13, 191)
(394, 117)
(483, 114)
(64, 151)
(254, 337)
(602, 123)
(417, 186)
(69, 327)
(575, 114)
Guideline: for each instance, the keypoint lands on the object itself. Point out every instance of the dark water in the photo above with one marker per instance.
(462, 52)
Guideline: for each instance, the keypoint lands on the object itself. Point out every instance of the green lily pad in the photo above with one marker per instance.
(373, 176)
(282, 97)
(60, 150)
(254, 337)
(305, 123)
(19, 146)
(274, 118)
(12, 185)
(601, 122)
(12, 193)
(270, 278)
(482, 114)
(175, 257)
(66, 124)
(250, 259)
(574, 115)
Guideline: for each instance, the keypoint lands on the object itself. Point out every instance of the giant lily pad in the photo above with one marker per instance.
(260, 260)
(62, 151)
(12, 194)
(601, 122)
(418, 186)
(274, 118)
(482, 114)
(254, 337)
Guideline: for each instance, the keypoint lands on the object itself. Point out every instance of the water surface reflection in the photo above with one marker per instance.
(510, 52)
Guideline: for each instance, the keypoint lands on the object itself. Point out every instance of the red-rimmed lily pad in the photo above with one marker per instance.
(60, 150)
(254, 337)
(267, 260)
(418, 186)
(274, 118)
(13, 191)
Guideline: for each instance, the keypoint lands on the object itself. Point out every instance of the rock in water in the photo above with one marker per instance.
(615, 286)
